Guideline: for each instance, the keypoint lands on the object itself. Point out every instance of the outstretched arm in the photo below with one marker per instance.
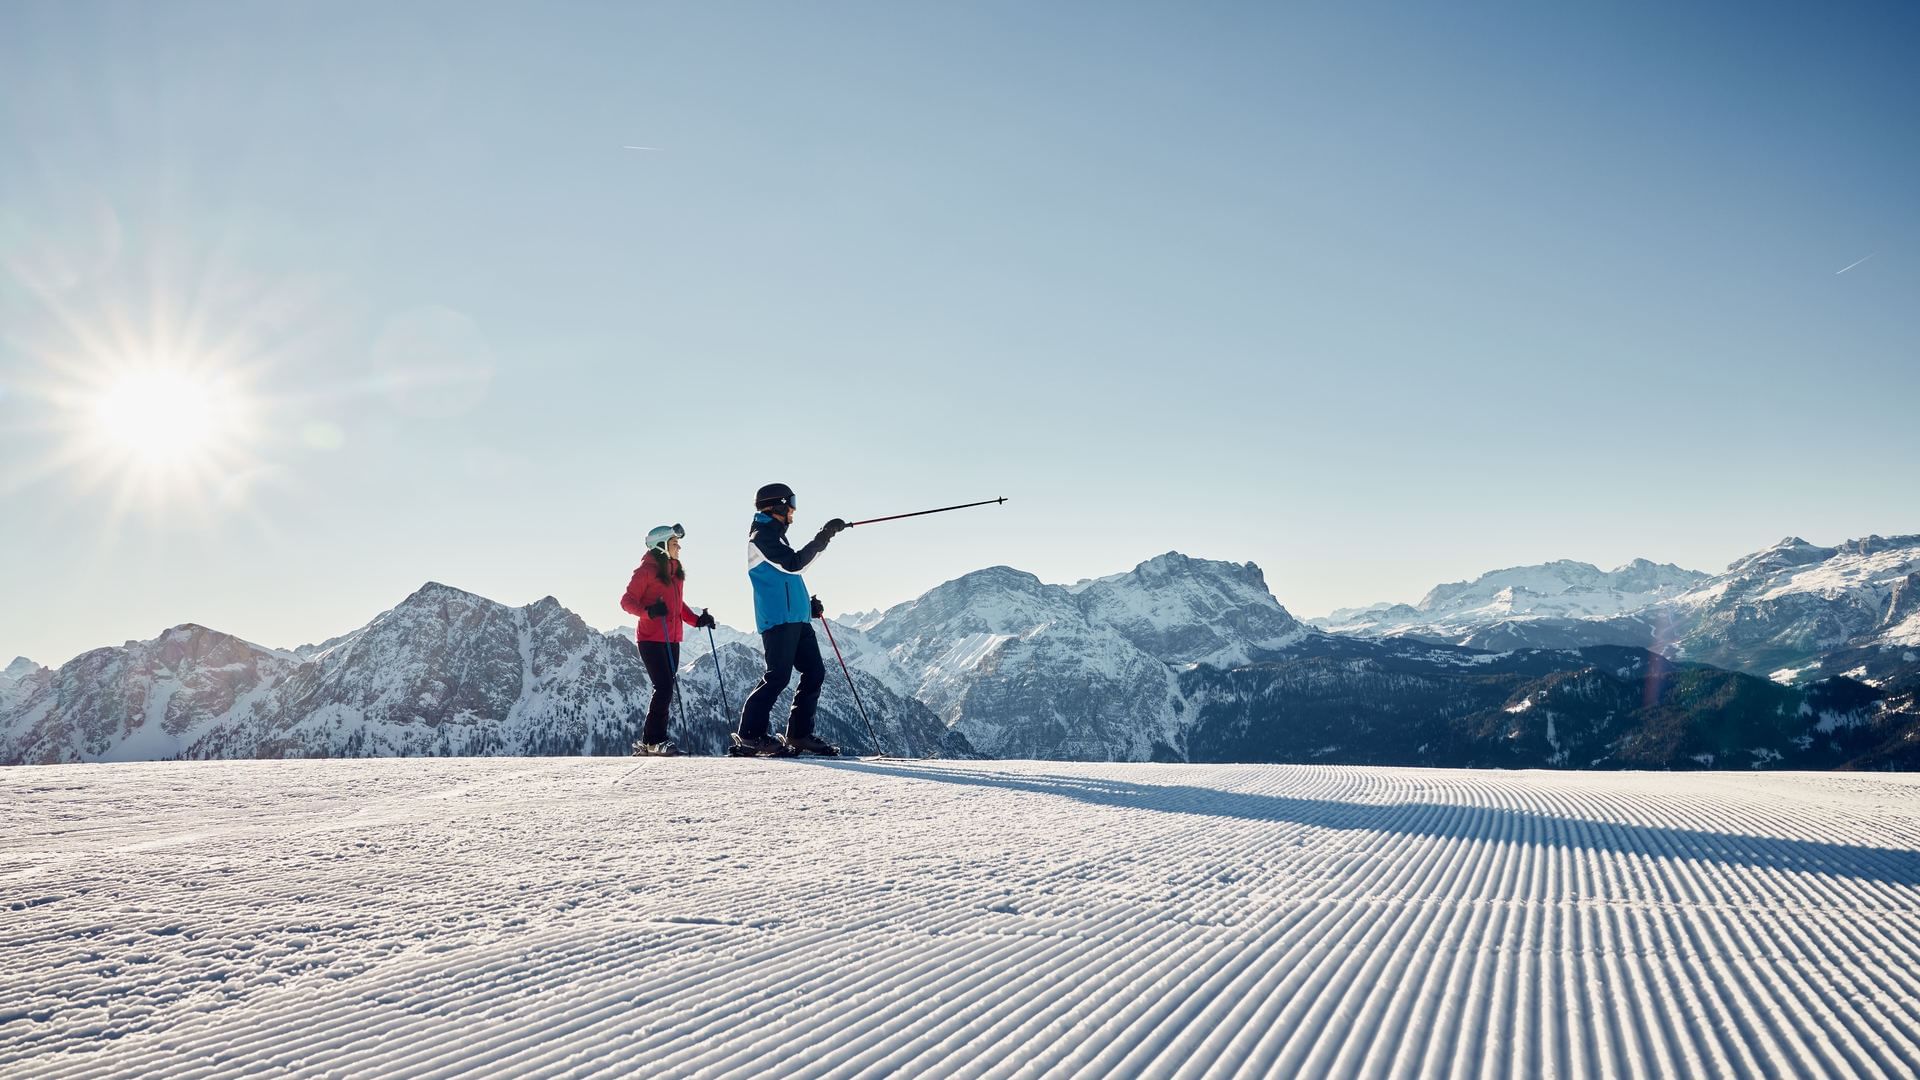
(777, 551)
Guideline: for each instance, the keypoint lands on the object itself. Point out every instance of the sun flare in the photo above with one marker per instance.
(165, 417)
(165, 434)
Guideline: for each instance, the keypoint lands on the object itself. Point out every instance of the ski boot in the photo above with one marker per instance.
(655, 749)
(812, 744)
(758, 746)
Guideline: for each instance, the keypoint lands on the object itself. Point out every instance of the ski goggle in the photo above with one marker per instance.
(659, 535)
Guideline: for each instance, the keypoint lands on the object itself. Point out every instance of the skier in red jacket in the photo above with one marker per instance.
(654, 597)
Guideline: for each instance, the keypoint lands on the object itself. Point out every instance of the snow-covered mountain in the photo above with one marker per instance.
(1189, 659)
(140, 701)
(1028, 669)
(1018, 667)
(18, 679)
(1794, 610)
(1542, 606)
(444, 672)
(1790, 605)
(1176, 659)
(1192, 611)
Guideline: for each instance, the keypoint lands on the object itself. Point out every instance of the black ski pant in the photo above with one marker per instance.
(663, 661)
(788, 646)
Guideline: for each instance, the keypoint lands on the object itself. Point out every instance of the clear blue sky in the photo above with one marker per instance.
(1373, 295)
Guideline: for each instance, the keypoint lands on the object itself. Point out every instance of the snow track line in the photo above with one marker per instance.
(843, 919)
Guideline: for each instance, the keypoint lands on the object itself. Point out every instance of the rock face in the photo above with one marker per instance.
(1084, 672)
(1793, 603)
(139, 701)
(1191, 611)
(1018, 667)
(445, 672)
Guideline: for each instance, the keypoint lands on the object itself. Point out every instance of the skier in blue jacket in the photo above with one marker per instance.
(784, 613)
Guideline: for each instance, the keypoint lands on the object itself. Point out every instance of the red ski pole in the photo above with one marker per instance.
(875, 736)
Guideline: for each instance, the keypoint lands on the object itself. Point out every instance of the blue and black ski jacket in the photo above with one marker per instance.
(779, 594)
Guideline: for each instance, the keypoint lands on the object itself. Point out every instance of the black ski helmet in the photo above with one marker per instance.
(771, 494)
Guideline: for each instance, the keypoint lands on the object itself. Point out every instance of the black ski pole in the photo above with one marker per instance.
(872, 734)
(673, 662)
(923, 513)
(726, 716)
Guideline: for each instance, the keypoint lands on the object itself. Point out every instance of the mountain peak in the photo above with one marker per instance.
(1169, 560)
(1175, 563)
(20, 668)
(1184, 610)
(433, 592)
(1874, 543)
(995, 577)
(1789, 551)
(435, 588)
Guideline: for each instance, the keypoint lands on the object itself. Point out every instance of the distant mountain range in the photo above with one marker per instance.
(1797, 656)
(1794, 611)
(1521, 606)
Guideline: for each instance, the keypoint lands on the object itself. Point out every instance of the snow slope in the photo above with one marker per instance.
(717, 918)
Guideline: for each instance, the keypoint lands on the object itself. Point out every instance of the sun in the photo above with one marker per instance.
(165, 418)
(151, 395)
(164, 432)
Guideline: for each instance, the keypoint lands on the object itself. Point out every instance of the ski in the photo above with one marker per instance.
(748, 752)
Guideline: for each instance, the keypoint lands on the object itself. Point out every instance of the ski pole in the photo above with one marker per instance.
(725, 717)
(923, 513)
(874, 735)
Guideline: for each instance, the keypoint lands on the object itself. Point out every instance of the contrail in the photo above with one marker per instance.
(656, 148)
(1851, 265)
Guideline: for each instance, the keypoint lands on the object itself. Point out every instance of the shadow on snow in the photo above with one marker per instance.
(1447, 821)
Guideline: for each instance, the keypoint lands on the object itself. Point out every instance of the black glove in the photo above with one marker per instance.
(657, 609)
(819, 609)
(827, 532)
(836, 526)
(705, 619)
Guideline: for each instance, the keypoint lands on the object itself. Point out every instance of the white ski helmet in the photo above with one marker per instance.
(658, 536)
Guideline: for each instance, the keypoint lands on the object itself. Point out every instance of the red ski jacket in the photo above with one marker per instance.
(646, 588)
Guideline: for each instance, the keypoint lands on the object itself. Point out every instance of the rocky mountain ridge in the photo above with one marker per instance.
(1789, 611)
(444, 672)
(1176, 659)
